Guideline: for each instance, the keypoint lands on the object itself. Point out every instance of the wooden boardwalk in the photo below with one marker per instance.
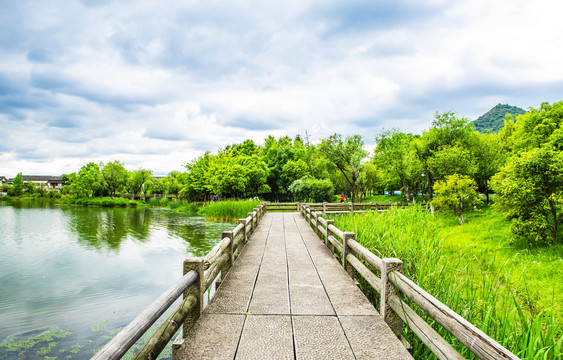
(287, 297)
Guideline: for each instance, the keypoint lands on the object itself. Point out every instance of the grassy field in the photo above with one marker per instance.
(511, 293)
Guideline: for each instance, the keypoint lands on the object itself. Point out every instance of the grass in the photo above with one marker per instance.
(229, 210)
(537, 273)
(474, 270)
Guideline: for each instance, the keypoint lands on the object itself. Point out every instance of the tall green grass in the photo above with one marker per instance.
(229, 210)
(483, 290)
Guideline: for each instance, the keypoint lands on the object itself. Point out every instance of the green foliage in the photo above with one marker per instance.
(346, 155)
(456, 192)
(139, 181)
(537, 127)
(493, 120)
(228, 210)
(41, 344)
(310, 189)
(530, 185)
(87, 183)
(530, 191)
(479, 285)
(17, 185)
(395, 154)
(115, 176)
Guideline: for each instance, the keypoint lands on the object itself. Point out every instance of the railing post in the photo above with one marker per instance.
(388, 289)
(251, 223)
(243, 232)
(317, 224)
(347, 236)
(351, 207)
(324, 209)
(230, 251)
(196, 289)
(329, 233)
(255, 218)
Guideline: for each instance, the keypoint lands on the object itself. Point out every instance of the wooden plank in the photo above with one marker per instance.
(158, 341)
(366, 273)
(121, 343)
(439, 347)
(479, 343)
(365, 254)
(217, 251)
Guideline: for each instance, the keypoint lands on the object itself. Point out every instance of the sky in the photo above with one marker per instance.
(155, 84)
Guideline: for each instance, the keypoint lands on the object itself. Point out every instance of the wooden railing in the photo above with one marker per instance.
(340, 208)
(199, 275)
(281, 206)
(333, 208)
(391, 283)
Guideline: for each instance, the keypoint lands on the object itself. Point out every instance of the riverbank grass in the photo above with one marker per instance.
(474, 270)
(228, 210)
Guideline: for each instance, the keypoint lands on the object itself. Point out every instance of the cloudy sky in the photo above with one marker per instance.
(156, 83)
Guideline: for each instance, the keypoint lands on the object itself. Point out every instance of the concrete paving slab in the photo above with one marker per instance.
(320, 337)
(266, 337)
(371, 338)
(285, 268)
(214, 336)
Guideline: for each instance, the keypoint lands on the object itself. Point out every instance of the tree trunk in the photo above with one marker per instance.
(430, 187)
(406, 191)
(555, 221)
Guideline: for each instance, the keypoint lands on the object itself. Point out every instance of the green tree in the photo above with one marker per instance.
(395, 154)
(456, 192)
(537, 127)
(138, 180)
(256, 173)
(88, 182)
(17, 185)
(293, 170)
(196, 187)
(346, 155)
(115, 176)
(530, 191)
(276, 153)
(368, 180)
(489, 157)
(448, 136)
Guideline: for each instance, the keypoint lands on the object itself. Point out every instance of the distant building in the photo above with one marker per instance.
(48, 181)
(3, 179)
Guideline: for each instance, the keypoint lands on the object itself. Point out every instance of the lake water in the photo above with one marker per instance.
(71, 277)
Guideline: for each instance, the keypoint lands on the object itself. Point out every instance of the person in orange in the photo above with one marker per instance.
(342, 197)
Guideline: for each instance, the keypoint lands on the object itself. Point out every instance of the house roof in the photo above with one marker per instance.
(41, 178)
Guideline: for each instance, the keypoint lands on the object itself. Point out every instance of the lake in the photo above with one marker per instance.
(71, 277)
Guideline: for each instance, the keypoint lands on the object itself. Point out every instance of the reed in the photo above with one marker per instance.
(479, 289)
(228, 210)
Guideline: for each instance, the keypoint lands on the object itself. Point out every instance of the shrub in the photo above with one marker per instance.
(154, 201)
(308, 188)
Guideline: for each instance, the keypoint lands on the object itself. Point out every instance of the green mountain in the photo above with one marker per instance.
(493, 120)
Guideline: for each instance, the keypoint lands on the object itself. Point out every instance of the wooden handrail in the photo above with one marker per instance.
(120, 344)
(480, 344)
(474, 339)
(216, 261)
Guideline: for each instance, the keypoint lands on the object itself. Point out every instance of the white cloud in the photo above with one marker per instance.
(155, 84)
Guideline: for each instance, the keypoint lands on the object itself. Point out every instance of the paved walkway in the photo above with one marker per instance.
(287, 297)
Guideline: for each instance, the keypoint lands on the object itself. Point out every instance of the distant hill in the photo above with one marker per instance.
(493, 119)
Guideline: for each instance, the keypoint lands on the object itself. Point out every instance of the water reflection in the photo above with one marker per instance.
(73, 268)
(106, 229)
